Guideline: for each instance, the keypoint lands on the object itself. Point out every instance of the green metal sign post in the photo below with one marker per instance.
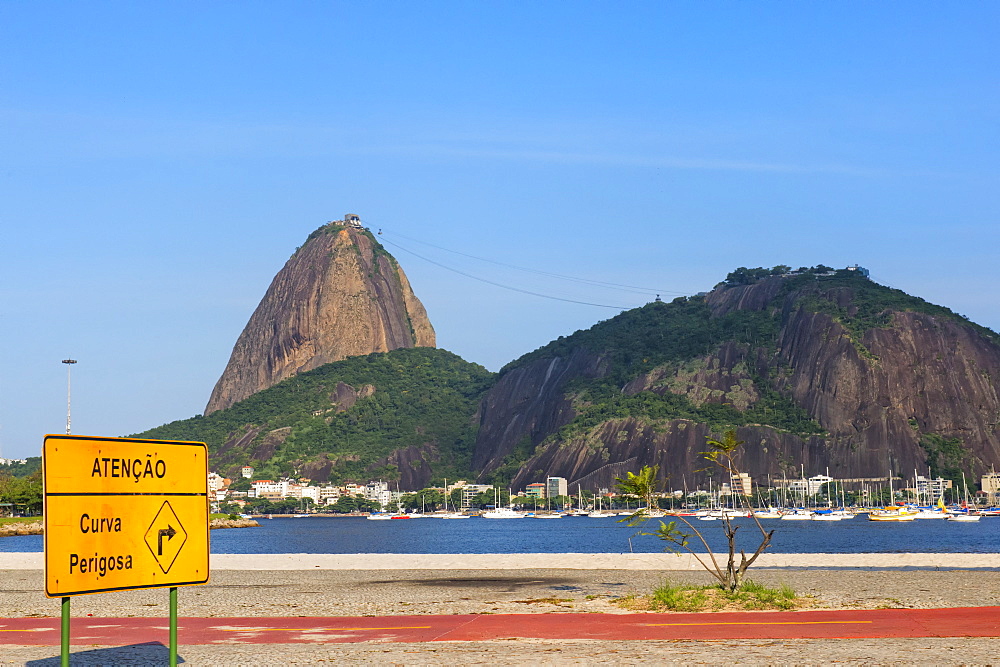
(64, 639)
(173, 626)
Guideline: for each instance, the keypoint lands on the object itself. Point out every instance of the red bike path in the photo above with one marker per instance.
(848, 624)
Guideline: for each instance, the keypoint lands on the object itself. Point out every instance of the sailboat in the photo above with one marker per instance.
(501, 512)
(893, 513)
(447, 514)
(598, 514)
(939, 513)
(968, 516)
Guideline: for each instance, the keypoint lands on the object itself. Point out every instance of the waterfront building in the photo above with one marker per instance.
(931, 489)
(379, 492)
(266, 488)
(536, 490)
(470, 491)
(991, 486)
(741, 485)
(353, 490)
(216, 481)
(556, 486)
(310, 492)
(810, 486)
(327, 495)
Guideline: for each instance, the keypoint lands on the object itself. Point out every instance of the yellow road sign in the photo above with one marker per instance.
(122, 513)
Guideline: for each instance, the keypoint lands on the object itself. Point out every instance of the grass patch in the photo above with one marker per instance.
(20, 519)
(689, 597)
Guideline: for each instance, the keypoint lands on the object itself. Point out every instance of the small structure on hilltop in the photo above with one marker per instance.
(352, 220)
(859, 269)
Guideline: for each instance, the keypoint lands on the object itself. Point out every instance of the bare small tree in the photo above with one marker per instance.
(643, 484)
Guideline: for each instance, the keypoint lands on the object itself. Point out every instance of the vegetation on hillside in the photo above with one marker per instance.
(664, 334)
(662, 337)
(31, 464)
(422, 397)
(947, 458)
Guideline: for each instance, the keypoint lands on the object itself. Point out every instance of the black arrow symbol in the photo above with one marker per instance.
(169, 532)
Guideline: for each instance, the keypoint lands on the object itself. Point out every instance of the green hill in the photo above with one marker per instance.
(404, 415)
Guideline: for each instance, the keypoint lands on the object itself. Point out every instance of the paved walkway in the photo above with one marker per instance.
(848, 624)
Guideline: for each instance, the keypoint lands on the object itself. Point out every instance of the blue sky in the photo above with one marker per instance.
(159, 162)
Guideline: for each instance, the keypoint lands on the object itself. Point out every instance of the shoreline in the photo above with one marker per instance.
(21, 528)
(34, 560)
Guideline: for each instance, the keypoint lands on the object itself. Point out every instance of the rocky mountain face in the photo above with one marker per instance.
(817, 373)
(340, 295)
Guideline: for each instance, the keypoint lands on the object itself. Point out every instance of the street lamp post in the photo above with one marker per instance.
(69, 365)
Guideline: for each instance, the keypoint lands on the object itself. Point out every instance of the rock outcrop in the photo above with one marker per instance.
(884, 397)
(340, 295)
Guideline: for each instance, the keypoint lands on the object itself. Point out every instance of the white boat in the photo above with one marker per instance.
(931, 514)
(600, 515)
(767, 514)
(502, 513)
(550, 515)
(797, 516)
(968, 515)
(453, 515)
(379, 517)
(828, 516)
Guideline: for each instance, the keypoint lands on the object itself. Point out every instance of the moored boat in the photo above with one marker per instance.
(891, 514)
(502, 513)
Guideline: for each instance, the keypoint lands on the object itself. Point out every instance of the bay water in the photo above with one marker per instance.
(354, 535)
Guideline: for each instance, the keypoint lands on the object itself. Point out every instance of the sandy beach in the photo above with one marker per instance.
(357, 585)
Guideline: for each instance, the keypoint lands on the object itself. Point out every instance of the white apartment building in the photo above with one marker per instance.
(215, 481)
(310, 492)
(739, 484)
(327, 495)
(556, 486)
(991, 485)
(470, 491)
(266, 487)
(379, 492)
(354, 489)
(931, 489)
(811, 486)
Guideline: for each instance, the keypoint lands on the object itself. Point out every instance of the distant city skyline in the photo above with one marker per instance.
(162, 161)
